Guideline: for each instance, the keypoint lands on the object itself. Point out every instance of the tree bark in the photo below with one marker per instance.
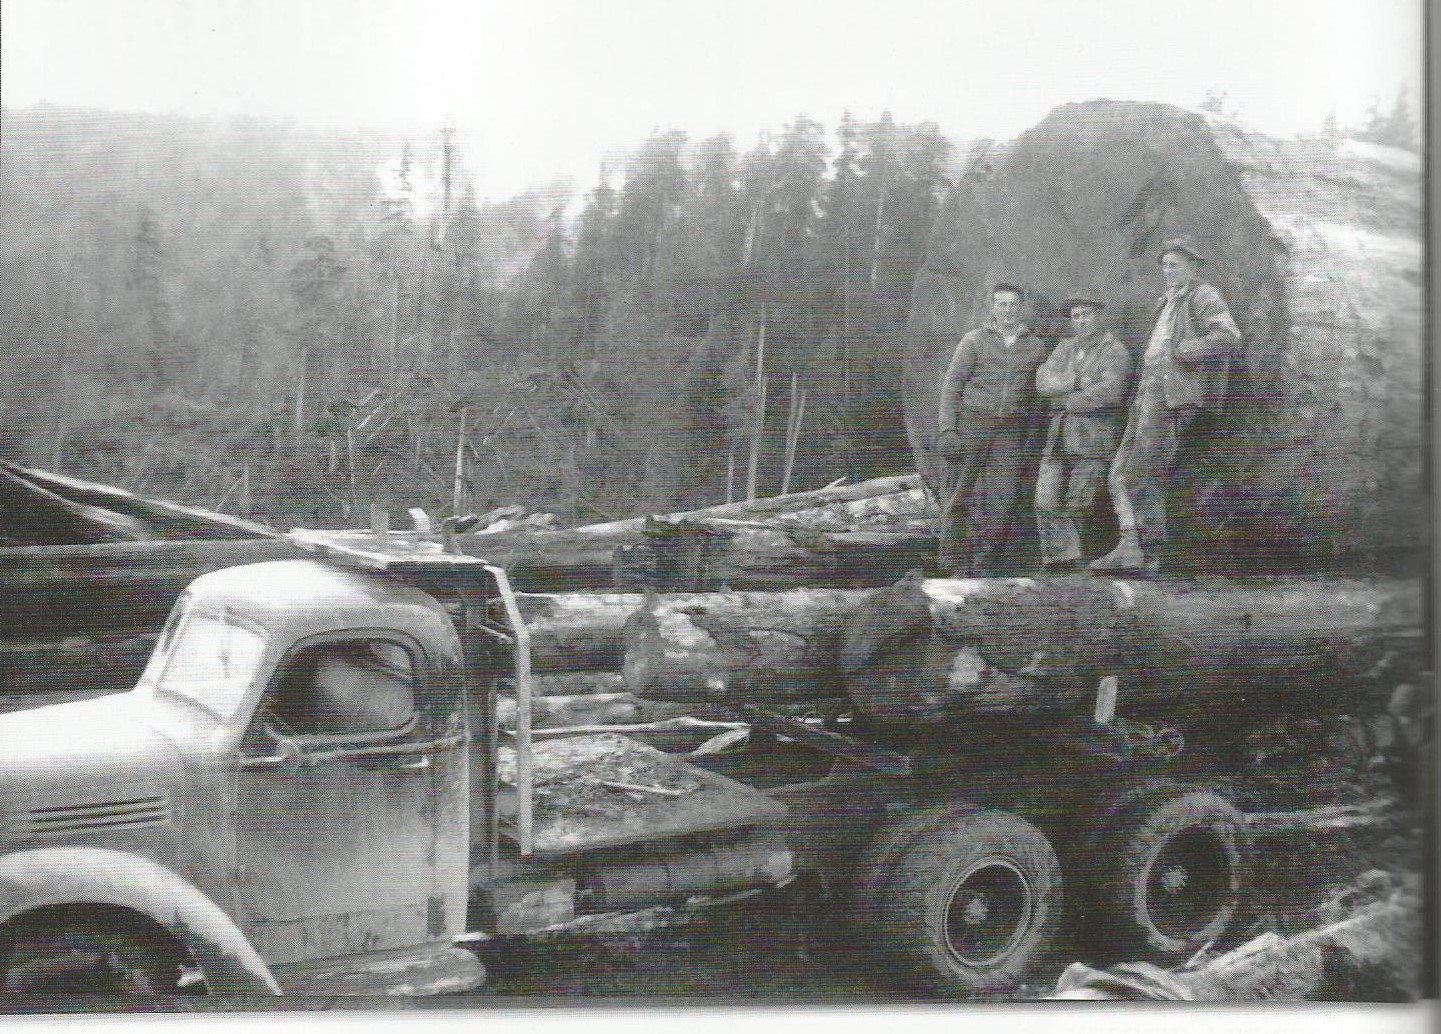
(741, 647)
(924, 650)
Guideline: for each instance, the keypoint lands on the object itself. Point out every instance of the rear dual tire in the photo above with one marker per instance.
(1165, 872)
(960, 901)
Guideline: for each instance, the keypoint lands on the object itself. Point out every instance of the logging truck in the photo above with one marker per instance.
(310, 790)
(334, 771)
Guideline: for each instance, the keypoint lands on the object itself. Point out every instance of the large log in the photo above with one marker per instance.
(1316, 245)
(709, 555)
(923, 650)
(577, 631)
(740, 647)
(573, 559)
(60, 591)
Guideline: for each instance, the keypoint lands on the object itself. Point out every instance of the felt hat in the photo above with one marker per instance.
(1185, 244)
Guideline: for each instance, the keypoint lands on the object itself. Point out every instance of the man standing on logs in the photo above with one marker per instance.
(988, 404)
(1086, 379)
(1183, 374)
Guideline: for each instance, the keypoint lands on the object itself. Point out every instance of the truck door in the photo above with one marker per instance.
(351, 815)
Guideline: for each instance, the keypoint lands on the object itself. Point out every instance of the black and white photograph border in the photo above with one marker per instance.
(635, 510)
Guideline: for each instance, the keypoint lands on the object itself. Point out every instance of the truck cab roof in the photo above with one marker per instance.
(299, 598)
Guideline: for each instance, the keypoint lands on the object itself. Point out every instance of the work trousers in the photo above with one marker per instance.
(1143, 466)
(1066, 491)
(979, 489)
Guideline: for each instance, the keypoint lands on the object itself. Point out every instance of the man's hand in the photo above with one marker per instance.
(949, 444)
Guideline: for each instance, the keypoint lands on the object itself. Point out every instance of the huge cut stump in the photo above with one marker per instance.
(1315, 244)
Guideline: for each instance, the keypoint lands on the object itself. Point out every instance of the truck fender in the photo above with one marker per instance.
(49, 876)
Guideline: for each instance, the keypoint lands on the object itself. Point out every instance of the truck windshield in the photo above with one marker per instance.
(205, 656)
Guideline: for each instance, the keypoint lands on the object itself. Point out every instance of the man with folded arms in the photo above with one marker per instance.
(1085, 379)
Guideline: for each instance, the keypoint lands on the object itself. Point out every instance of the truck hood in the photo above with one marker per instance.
(89, 753)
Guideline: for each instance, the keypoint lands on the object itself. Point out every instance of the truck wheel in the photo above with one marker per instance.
(968, 901)
(1167, 875)
(51, 962)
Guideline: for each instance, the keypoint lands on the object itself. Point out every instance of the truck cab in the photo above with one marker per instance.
(286, 783)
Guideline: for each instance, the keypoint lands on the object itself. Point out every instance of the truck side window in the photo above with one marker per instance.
(347, 688)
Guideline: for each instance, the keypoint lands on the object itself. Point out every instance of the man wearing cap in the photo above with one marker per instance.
(987, 414)
(1183, 374)
(1085, 379)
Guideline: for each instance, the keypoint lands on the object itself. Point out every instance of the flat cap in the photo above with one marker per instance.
(1082, 302)
(1003, 286)
(1185, 244)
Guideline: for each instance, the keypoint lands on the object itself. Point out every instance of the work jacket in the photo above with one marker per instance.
(987, 376)
(1203, 340)
(1086, 381)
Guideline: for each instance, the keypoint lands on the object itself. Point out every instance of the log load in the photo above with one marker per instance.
(1316, 246)
(738, 648)
(64, 607)
(927, 650)
(581, 558)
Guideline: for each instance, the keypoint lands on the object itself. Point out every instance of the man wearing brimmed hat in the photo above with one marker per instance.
(1085, 379)
(1183, 374)
(987, 418)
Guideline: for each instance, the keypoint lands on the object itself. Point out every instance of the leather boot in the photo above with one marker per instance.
(1127, 556)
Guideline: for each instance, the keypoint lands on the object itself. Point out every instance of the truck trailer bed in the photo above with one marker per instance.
(606, 790)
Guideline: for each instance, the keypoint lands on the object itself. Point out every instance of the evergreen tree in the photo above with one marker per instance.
(1395, 128)
(595, 263)
(315, 284)
(650, 201)
(147, 284)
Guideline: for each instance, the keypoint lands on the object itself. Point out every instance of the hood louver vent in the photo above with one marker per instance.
(131, 813)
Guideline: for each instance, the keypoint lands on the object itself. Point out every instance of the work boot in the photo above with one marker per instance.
(1127, 556)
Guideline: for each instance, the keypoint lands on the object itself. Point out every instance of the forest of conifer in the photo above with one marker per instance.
(294, 323)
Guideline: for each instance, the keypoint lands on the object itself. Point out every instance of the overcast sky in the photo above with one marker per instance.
(544, 88)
